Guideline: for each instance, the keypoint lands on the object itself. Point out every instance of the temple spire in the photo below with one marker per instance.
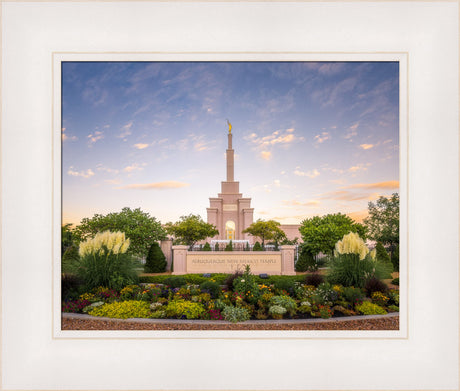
(230, 157)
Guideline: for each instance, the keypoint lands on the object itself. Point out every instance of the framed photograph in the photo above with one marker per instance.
(107, 106)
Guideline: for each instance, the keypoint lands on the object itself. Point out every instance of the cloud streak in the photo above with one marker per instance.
(84, 174)
(156, 185)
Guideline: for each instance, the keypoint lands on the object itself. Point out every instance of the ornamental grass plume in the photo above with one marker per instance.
(353, 264)
(104, 261)
(105, 243)
(352, 244)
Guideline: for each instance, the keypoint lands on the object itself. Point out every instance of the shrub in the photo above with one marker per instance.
(395, 258)
(211, 287)
(306, 261)
(285, 285)
(368, 308)
(350, 270)
(257, 247)
(156, 260)
(393, 308)
(380, 299)
(74, 305)
(175, 282)
(184, 309)
(394, 296)
(206, 247)
(325, 311)
(381, 253)
(353, 295)
(216, 247)
(104, 261)
(395, 281)
(277, 311)
(229, 246)
(70, 257)
(314, 279)
(247, 286)
(71, 286)
(373, 284)
(324, 293)
(286, 302)
(123, 310)
(235, 314)
(231, 279)
(92, 306)
(129, 292)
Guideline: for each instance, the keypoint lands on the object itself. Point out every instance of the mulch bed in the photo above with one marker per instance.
(384, 323)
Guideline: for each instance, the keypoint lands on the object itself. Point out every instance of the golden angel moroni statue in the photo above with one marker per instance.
(229, 126)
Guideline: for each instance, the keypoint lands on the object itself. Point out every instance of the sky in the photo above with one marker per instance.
(310, 138)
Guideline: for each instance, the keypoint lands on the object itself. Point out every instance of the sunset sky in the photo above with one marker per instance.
(309, 138)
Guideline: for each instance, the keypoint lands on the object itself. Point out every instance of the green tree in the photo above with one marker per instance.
(257, 247)
(320, 234)
(383, 221)
(156, 260)
(191, 229)
(306, 261)
(381, 253)
(66, 237)
(206, 247)
(69, 258)
(266, 230)
(141, 229)
(229, 246)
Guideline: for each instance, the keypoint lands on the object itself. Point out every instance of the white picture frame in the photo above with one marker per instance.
(424, 353)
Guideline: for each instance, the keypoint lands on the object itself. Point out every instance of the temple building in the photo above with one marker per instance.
(230, 212)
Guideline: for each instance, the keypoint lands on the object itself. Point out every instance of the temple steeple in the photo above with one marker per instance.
(230, 212)
(230, 157)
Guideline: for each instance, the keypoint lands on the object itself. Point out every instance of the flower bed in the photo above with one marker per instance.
(245, 297)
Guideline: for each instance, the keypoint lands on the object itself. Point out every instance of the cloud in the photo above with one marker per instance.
(141, 146)
(156, 185)
(277, 137)
(310, 174)
(366, 146)
(358, 167)
(84, 174)
(66, 137)
(277, 183)
(345, 195)
(361, 191)
(100, 167)
(377, 186)
(321, 138)
(96, 136)
(134, 167)
(126, 130)
(351, 131)
(113, 181)
(266, 155)
(298, 203)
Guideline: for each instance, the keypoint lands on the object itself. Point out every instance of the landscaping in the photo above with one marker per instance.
(351, 285)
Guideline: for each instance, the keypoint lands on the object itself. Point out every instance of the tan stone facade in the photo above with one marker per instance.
(270, 262)
(230, 212)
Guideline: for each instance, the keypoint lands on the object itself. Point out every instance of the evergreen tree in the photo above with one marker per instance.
(206, 247)
(69, 258)
(156, 261)
(229, 247)
(381, 253)
(306, 261)
(257, 247)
